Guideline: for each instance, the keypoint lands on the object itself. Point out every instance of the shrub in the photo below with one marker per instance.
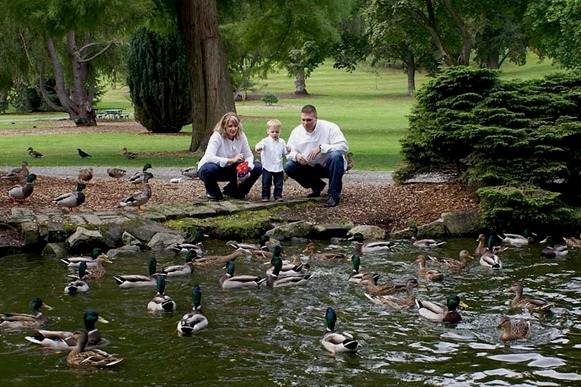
(158, 82)
(502, 134)
(269, 99)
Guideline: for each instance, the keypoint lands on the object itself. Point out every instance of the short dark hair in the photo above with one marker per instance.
(309, 109)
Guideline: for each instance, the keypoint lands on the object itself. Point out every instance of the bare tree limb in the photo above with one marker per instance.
(87, 46)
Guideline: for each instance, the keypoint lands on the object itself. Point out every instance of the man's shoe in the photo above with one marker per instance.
(331, 202)
(214, 198)
(317, 192)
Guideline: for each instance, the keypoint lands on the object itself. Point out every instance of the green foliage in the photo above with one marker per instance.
(508, 134)
(269, 99)
(158, 82)
(516, 208)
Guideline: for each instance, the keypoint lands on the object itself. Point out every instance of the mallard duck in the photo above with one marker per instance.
(371, 247)
(138, 177)
(360, 278)
(336, 342)
(195, 320)
(25, 320)
(230, 281)
(21, 193)
(63, 340)
(185, 269)
(195, 243)
(116, 173)
(18, 174)
(495, 249)
(185, 248)
(139, 198)
(573, 242)
(311, 251)
(191, 172)
(424, 243)
(211, 260)
(552, 251)
(490, 260)
(129, 155)
(74, 262)
(396, 302)
(266, 244)
(274, 280)
(424, 272)
(83, 154)
(79, 285)
(518, 240)
(460, 263)
(513, 330)
(292, 268)
(161, 302)
(373, 288)
(350, 162)
(481, 247)
(99, 270)
(79, 355)
(532, 304)
(71, 200)
(137, 280)
(34, 154)
(85, 175)
(435, 311)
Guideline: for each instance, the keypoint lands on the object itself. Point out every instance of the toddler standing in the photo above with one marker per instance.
(272, 149)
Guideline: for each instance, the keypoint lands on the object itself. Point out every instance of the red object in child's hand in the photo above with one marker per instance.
(242, 172)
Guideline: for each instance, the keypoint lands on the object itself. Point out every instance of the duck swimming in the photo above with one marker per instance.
(82, 356)
(337, 342)
(437, 312)
(63, 340)
(25, 320)
(195, 320)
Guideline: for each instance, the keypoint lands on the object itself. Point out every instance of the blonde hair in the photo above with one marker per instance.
(226, 120)
(273, 123)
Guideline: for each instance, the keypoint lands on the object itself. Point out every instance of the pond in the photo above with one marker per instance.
(272, 336)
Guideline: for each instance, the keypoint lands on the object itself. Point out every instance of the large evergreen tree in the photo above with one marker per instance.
(157, 76)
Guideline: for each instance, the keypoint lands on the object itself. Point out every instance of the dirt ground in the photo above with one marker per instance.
(390, 206)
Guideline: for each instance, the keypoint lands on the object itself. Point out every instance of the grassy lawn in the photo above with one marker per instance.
(370, 106)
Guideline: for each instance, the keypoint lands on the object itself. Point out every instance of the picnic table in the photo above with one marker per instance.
(112, 114)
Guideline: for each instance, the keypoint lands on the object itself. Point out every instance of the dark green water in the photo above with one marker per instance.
(271, 337)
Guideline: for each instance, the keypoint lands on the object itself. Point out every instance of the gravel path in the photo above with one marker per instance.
(367, 177)
(353, 176)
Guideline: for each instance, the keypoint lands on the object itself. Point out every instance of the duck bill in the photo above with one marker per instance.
(102, 320)
(463, 304)
(543, 241)
(46, 306)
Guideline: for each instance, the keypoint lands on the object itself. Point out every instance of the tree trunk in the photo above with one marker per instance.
(75, 99)
(211, 90)
(300, 86)
(410, 70)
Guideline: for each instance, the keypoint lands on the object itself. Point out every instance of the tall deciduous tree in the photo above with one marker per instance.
(211, 89)
(274, 33)
(74, 36)
(556, 31)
